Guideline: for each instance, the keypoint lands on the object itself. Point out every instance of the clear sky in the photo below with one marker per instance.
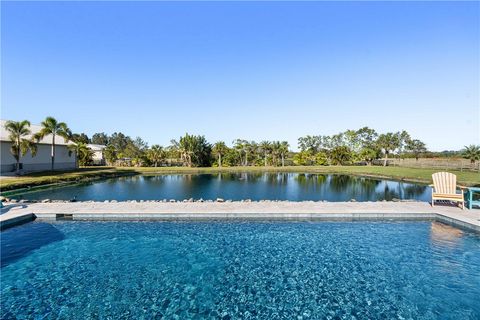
(251, 70)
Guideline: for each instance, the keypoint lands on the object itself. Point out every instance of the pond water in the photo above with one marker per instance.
(238, 186)
(241, 270)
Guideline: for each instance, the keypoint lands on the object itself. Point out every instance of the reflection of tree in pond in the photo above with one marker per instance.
(236, 176)
(401, 191)
(354, 187)
(256, 176)
(276, 178)
(412, 191)
(339, 183)
(156, 178)
(307, 180)
(388, 193)
(368, 187)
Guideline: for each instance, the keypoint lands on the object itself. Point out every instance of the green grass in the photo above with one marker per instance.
(467, 178)
(57, 177)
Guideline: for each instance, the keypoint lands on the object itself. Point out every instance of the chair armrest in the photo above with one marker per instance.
(462, 187)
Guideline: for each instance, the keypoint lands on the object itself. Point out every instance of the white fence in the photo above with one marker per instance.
(436, 163)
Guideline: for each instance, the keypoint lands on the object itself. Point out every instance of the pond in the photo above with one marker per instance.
(249, 270)
(238, 186)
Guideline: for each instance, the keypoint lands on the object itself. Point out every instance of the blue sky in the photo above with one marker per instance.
(251, 70)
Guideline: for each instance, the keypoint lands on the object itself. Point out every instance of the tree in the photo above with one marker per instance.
(303, 158)
(283, 150)
(20, 145)
(388, 142)
(119, 141)
(352, 140)
(252, 149)
(83, 153)
(403, 140)
(265, 148)
(275, 152)
(243, 148)
(367, 137)
(219, 149)
(416, 147)
(341, 155)
(50, 126)
(185, 149)
(100, 138)
(368, 155)
(471, 152)
(310, 143)
(156, 154)
(337, 140)
(194, 150)
(80, 137)
(110, 154)
(135, 148)
(321, 159)
(230, 158)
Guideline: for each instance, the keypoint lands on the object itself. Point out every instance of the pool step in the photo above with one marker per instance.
(64, 216)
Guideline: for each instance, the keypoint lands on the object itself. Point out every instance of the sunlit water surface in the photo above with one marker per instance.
(241, 270)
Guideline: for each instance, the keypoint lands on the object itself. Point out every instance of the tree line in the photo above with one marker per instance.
(361, 146)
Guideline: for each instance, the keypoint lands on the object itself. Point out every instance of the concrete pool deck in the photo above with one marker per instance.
(17, 213)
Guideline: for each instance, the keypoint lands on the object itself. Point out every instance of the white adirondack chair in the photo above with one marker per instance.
(445, 188)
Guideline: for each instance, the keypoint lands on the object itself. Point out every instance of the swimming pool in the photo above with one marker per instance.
(238, 186)
(248, 270)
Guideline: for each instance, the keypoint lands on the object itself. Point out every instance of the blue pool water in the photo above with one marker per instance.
(238, 186)
(241, 270)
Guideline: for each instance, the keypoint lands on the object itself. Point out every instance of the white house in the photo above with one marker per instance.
(64, 160)
(98, 157)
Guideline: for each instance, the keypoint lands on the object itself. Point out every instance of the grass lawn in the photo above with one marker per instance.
(468, 178)
(48, 177)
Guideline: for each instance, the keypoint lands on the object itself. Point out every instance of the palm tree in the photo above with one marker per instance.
(472, 152)
(194, 150)
(283, 150)
(275, 150)
(368, 155)
(18, 130)
(388, 142)
(51, 126)
(265, 147)
(83, 153)
(252, 149)
(110, 154)
(186, 147)
(220, 149)
(242, 146)
(155, 154)
(340, 155)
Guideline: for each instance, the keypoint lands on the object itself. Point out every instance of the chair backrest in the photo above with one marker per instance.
(445, 182)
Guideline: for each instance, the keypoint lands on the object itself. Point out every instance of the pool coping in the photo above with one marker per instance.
(19, 213)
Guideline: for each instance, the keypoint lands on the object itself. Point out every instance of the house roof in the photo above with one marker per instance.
(96, 147)
(4, 135)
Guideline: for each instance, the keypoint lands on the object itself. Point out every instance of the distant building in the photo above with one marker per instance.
(64, 159)
(98, 158)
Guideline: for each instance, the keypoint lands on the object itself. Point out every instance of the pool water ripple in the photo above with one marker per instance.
(219, 270)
